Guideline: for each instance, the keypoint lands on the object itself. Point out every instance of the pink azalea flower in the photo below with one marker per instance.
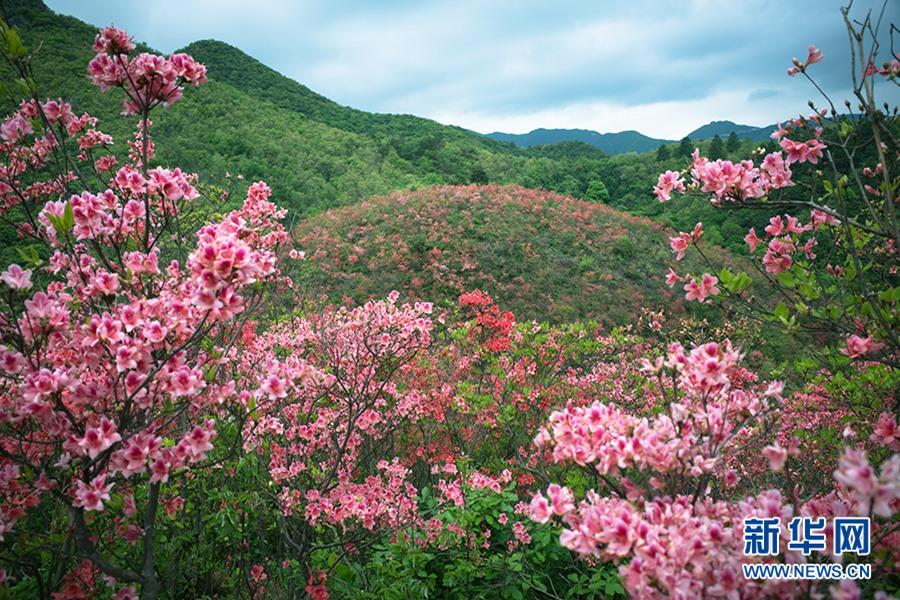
(680, 244)
(561, 499)
(540, 508)
(670, 181)
(92, 496)
(702, 289)
(815, 55)
(752, 240)
(857, 347)
(672, 278)
(16, 277)
(776, 456)
(98, 439)
(886, 432)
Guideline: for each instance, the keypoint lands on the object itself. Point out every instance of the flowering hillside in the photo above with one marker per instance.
(411, 397)
(541, 254)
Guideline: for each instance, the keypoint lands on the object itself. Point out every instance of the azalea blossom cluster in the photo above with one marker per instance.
(112, 354)
(691, 438)
(25, 151)
(495, 324)
(148, 80)
(383, 501)
(696, 288)
(72, 364)
(328, 398)
(742, 181)
(659, 516)
(783, 237)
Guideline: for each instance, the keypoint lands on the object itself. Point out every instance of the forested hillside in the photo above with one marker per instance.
(315, 153)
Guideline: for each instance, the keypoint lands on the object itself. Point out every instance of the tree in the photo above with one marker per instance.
(716, 148)
(662, 153)
(478, 176)
(685, 147)
(597, 191)
(733, 143)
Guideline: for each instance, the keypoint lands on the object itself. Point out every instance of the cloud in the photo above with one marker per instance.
(521, 64)
(762, 94)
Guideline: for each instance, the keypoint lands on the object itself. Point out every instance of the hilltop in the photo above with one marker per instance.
(542, 255)
(725, 128)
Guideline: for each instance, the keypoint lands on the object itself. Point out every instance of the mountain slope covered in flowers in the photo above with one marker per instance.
(543, 255)
(183, 415)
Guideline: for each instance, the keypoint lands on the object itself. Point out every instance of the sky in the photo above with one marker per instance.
(660, 67)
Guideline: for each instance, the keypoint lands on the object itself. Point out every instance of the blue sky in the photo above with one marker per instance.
(660, 67)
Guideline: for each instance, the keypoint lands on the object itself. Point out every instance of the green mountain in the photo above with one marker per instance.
(230, 65)
(628, 141)
(724, 128)
(317, 154)
(610, 143)
(542, 252)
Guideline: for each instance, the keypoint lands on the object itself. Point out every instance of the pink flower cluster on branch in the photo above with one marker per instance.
(148, 80)
(329, 399)
(115, 359)
(662, 515)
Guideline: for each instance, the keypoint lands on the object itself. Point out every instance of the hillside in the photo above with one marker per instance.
(542, 255)
(316, 154)
(610, 143)
(405, 133)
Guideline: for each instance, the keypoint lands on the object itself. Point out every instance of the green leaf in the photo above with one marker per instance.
(845, 129)
(742, 282)
(14, 44)
(787, 279)
(726, 277)
(781, 311)
(68, 218)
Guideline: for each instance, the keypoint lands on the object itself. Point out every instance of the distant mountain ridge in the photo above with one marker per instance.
(725, 128)
(611, 143)
(628, 141)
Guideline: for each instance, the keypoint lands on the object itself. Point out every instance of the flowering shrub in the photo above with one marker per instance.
(672, 502)
(326, 404)
(489, 545)
(830, 248)
(112, 350)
